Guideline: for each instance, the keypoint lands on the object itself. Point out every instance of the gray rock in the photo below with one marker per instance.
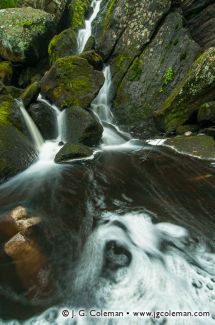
(81, 126)
(72, 151)
(206, 113)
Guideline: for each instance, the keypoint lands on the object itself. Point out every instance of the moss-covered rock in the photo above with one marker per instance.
(31, 93)
(206, 113)
(82, 126)
(93, 58)
(63, 44)
(182, 129)
(90, 45)
(72, 151)
(78, 10)
(196, 88)
(201, 146)
(72, 81)
(25, 33)
(8, 4)
(6, 72)
(54, 7)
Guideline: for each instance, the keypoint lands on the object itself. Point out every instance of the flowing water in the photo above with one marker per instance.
(152, 214)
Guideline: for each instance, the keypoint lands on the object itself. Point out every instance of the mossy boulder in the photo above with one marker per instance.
(81, 126)
(196, 88)
(93, 58)
(71, 81)
(31, 93)
(182, 129)
(206, 113)
(72, 151)
(6, 72)
(201, 146)
(54, 7)
(90, 45)
(78, 10)
(25, 34)
(63, 44)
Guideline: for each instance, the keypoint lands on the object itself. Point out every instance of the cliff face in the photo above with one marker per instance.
(151, 47)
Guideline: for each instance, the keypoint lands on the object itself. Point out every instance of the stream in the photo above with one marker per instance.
(153, 240)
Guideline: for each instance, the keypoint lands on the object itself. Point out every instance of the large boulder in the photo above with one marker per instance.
(93, 58)
(45, 119)
(82, 126)
(71, 81)
(152, 75)
(72, 151)
(63, 44)
(25, 34)
(195, 89)
(206, 113)
(54, 7)
(31, 93)
(78, 10)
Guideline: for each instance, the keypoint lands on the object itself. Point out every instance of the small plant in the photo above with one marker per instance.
(168, 77)
(7, 4)
(25, 23)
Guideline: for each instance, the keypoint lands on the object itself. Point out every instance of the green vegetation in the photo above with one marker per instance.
(77, 10)
(168, 77)
(136, 69)
(7, 4)
(5, 106)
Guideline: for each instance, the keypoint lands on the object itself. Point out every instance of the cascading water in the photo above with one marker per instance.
(31, 126)
(85, 33)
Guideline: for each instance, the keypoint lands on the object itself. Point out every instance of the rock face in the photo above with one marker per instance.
(206, 113)
(71, 81)
(24, 34)
(45, 120)
(154, 73)
(195, 89)
(81, 126)
(63, 44)
(72, 151)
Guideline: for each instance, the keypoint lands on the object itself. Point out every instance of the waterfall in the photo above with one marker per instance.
(31, 126)
(85, 33)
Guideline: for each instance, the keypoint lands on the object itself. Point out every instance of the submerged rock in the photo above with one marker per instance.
(72, 81)
(72, 151)
(82, 126)
(201, 146)
(196, 88)
(25, 33)
(63, 44)
(6, 72)
(45, 120)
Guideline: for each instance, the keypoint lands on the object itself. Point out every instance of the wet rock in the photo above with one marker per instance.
(24, 34)
(196, 88)
(93, 58)
(209, 131)
(90, 45)
(82, 126)
(6, 72)
(29, 74)
(116, 256)
(72, 151)
(71, 81)
(30, 94)
(206, 113)
(78, 10)
(201, 146)
(154, 73)
(63, 44)
(45, 119)
(53, 7)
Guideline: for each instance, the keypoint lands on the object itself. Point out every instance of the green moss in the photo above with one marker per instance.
(169, 76)
(7, 4)
(109, 12)
(6, 71)
(77, 10)
(5, 107)
(136, 69)
(25, 23)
